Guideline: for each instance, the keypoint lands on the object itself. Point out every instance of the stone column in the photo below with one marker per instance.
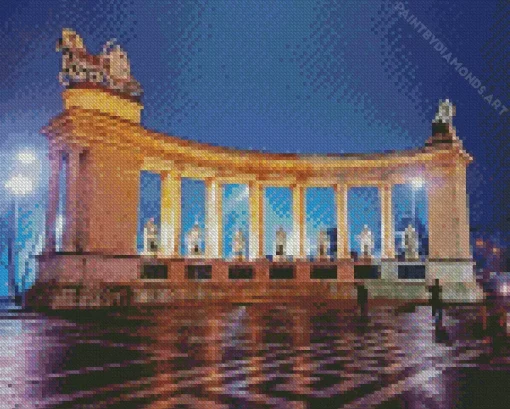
(55, 157)
(298, 221)
(213, 219)
(83, 206)
(343, 251)
(113, 190)
(256, 203)
(170, 231)
(448, 212)
(69, 239)
(450, 258)
(387, 224)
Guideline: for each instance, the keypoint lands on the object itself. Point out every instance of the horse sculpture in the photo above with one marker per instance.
(110, 69)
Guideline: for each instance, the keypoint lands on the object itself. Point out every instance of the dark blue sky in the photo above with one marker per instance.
(312, 76)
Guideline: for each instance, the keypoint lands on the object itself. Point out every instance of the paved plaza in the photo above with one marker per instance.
(244, 356)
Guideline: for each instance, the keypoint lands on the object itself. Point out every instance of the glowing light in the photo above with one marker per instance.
(59, 225)
(243, 195)
(27, 157)
(505, 289)
(417, 183)
(20, 185)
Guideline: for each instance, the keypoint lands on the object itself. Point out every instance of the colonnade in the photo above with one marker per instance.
(105, 154)
(73, 160)
(171, 232)
(68, 160)
(100, 143)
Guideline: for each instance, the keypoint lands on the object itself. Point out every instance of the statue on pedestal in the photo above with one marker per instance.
(194, 238)
(323, 243)
(150, 237)
(238, 244)
(281, 242)
(445, 113)
(410, 243)
(366, 242)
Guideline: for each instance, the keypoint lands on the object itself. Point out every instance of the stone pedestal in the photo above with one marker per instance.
(345, 270)
(389, 270)
(451, 271)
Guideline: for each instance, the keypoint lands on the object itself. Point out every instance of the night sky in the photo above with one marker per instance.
(307, 76)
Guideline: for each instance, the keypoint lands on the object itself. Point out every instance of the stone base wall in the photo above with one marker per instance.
(68, 281)
(77, 296)
(451, 271)
(70, 296)
(75, 268)
(409, 290)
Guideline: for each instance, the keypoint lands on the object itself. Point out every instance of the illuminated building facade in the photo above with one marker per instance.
(99, 140)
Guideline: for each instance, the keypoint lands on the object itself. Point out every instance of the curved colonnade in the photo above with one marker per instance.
(105, 148)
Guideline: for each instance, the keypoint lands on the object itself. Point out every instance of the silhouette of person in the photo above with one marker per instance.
(436, 301)
(362, 298)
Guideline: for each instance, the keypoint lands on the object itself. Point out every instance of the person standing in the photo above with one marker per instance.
(436, 300)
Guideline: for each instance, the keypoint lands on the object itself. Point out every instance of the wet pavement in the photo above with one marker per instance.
(297, 355)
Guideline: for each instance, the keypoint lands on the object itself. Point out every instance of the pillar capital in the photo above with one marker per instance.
(341, 185)
(385, 184)
(55, 152)
(213, 178)
(170, 173)
(73, 149)
(257, 183)
(299, 183)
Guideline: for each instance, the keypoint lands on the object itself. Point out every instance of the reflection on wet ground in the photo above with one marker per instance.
(257, 356)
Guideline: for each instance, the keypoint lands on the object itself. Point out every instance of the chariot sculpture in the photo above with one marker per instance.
(110, 69)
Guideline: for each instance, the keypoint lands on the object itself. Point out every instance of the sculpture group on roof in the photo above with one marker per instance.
(110, 69)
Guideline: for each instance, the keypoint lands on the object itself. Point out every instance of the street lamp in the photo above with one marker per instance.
(18, 186)
(27, 157)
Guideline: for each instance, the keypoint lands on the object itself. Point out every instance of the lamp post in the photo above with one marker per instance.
(26, 157)
(18, 186)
